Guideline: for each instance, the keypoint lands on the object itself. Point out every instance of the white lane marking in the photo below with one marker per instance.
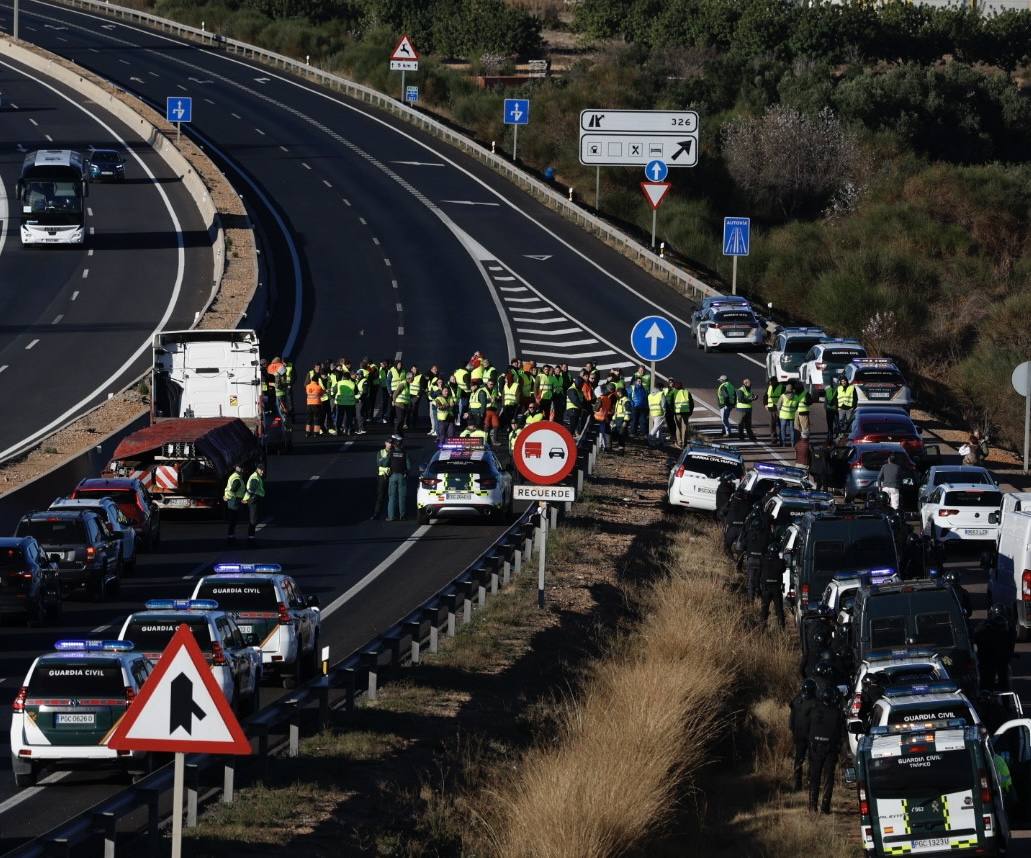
(89, 252)
(347, 202)
(176, 288)
(326, 183)
(568, 357)
(85, 273)
(563, 345)
(235, 115)
(537, 310)
(556, 332)
(386, 261)
(209, 101)
(3, 215)
(504, 279)
(4, 367)
(305, 165)
(470, 203)
(496, 267)
(511, 288)
(34, 122)
(75, 294)
(317, 477)
(378, 570)
(57, 319)
(184, 89)
(153, 74)
(31, 345)
(284, 148)
(362, 221)
(393, 283)
(89, 211)
(91, 50)
(417, 163)
(400, 331)
(31, 792)
(400, 309)
(126, 62)
(262, 133)
(375, 241)
(511, 299)
(49, 138)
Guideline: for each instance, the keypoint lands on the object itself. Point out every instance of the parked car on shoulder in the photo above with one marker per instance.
(113, 520)
(30, 585)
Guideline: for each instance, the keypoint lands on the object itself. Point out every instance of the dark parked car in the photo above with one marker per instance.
(132, 499)
(88, 557)
(29, 582)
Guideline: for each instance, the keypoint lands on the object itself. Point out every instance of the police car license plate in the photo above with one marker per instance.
(879, 394)
(246, 630)
(75, 718)
(735, 333)
(458, 496)
(931, 843)
(976, 531)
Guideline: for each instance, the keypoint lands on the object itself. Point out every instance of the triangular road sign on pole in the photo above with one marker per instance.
(181, 708)
(405, 50)
(655, 192)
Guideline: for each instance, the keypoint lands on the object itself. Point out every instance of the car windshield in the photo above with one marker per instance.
(934, 629)
(919, 775)
(101, 157)
(887, 632)
(844, 546)
(973, 498)
(930, 712)
(712, 468)
(839, 355)
(800, 345)
(943, 477)
(12, 558)
(908, 676)
(240, 595)
(152, 634)
(879, 375)
(54, 532)
(77, 677)
(119, 497)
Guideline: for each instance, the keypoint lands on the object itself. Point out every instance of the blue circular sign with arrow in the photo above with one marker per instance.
(656, 171)
(654, 338)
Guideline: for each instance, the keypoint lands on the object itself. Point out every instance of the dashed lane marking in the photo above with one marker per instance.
(31, 345)
(556, 332)
(57, 319)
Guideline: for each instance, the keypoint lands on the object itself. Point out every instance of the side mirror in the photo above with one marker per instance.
(851, 776)
(856, 727)
(312, 601)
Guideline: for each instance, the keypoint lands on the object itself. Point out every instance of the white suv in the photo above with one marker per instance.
(720, 327)
(824, 361)
(961, 512)
(696, 476)
(878, 382)
(790, 346)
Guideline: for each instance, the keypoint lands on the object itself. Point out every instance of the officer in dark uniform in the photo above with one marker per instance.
(995, 644)
(771, 588)
(798, 722)
(816, 637)
(825, 734)
(754, 539)
(871, 690)
(734, 518)
(724, 489)
(951, 577)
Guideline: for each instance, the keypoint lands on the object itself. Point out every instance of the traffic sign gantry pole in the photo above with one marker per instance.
(545, 454)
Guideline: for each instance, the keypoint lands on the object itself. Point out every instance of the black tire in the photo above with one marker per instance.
(705, 348)
(52, 612)
(293, 678)
(100, 590)
(424, 516)
(23, 780)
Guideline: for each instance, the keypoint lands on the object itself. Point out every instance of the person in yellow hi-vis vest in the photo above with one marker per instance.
(232, 496)
(656, 413)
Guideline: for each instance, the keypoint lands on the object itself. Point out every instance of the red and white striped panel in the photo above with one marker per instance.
(166, 478)
(144, 477)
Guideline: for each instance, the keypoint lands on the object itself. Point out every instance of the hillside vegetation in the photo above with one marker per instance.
(881, 149)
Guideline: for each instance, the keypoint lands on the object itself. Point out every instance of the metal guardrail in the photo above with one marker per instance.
(660, 268)
(341, 687)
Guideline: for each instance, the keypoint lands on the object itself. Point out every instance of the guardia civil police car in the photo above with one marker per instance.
(235, 663)
(693, 480)
(269, 605)
(878, 381)
(69, 703)
(935, 788)
(464, 478)
(764, 475)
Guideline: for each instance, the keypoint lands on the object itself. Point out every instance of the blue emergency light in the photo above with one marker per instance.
(82, 645)
(462, 444)
(181, 605)
(246, 568)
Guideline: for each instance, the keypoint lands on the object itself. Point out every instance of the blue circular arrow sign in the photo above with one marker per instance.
(654, 338)
(656, 171)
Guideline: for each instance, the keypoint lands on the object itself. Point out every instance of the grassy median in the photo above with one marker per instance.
(637, 715)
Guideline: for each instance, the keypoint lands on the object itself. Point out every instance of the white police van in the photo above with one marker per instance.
(68, 705)
(693, 480)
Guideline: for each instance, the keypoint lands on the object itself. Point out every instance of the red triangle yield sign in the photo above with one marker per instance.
(405, 50)
(655, 192)
(181, 707)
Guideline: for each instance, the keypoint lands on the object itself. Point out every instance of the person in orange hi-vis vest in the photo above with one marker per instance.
(313, 392)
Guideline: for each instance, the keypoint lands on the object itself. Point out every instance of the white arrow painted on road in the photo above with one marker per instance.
(262, 79)
(198, 80)
(420, 164)
(469, 203)
(137, 79)
(540, 257)
(654, 335)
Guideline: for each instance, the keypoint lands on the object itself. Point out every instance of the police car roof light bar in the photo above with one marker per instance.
(944, 687)
(81, 644)
(897, 653)
(462, 444)
(244, 568)
(181, 605)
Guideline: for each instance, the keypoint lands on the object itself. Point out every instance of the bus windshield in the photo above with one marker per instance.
(52, 201)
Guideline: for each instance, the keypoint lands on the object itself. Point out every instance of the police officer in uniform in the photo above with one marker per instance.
(253, 498)
(770, 587)
(734, 516)
(825, 734)
(233, 496)
(724, 490)
(995, 644)
(755, 538)
(382, 477)
(397, 488)
(802, 706)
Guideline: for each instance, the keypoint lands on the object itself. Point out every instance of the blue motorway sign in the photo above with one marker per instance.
(737, 236)
(411, 94)
(654, 338)
(517, 111)
(179, 108)
(656, 171)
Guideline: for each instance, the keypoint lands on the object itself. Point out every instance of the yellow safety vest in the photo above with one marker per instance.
(847, 396)
(383, 463)
(401, 395)
(570, 401)
(345, 391)
(744, 402)
(415, 386)
(478, 373)
(445, 406)
(683, 402)
(512, 393)
(394, 375)
(478, 400)
(801, 403)
(534, 418)
(622, 408)
(255, 488)
(473, 433)
(234, 487)
(462, 380)
(655, 404)
(786, 407)
(772, 396)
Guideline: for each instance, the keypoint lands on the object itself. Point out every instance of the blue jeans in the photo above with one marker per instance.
(728, 427)
(639, 420)
(787, 432)
(397, 496)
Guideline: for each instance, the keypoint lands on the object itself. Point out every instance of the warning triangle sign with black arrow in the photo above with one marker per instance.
(181, 707)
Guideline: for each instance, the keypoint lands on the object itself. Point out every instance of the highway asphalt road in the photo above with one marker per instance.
(382, 242)
(76, 321)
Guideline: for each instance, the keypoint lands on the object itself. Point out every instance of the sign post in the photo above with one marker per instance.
(545, 454)
(1021, 381)
(181, 710)
(178, 109)
(653, 339)
(737, 239)
(517, 112)
(655, 193)
(404, 59)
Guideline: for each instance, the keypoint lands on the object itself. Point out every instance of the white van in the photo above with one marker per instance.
(1012, 502)
(1010, 581)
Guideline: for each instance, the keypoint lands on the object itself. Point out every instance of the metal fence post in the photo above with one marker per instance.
(481, 596)
(372, 683)
(506, 573)
(228, 776)
(493, 583)
(415, 652)
(433, 638)
(517, 557)
(192, 785)
(467, 611)
(450, 624)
